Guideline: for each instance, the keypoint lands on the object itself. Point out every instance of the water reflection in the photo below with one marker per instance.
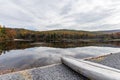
(23, 55)
(7, 46)
(83, 44)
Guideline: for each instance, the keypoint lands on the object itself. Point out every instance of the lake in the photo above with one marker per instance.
(25, 55)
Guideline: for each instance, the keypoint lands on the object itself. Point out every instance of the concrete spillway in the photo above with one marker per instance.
(92, 70)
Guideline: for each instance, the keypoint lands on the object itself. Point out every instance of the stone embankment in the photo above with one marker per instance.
(52, 72)
(61, 71)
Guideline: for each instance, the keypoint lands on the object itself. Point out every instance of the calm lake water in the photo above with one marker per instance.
(23, 55)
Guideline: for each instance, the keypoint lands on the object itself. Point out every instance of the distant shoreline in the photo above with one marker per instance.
(67, 40)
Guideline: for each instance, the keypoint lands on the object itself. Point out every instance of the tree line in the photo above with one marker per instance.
(53, 36)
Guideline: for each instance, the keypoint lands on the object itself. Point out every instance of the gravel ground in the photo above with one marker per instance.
(52, 72)
(111, 60)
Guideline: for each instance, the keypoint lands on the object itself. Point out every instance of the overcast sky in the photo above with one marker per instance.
(61, 14)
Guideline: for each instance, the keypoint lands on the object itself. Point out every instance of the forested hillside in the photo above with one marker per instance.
(54, 35)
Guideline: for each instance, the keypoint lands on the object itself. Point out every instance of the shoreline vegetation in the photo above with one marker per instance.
(15, 34)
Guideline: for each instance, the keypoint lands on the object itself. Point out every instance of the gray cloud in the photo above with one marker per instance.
(92, 16)
(66, 8)
(61, 14)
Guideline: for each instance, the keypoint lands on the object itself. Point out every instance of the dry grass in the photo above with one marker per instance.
(26, 75)
(7, 71)
(99, 58)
